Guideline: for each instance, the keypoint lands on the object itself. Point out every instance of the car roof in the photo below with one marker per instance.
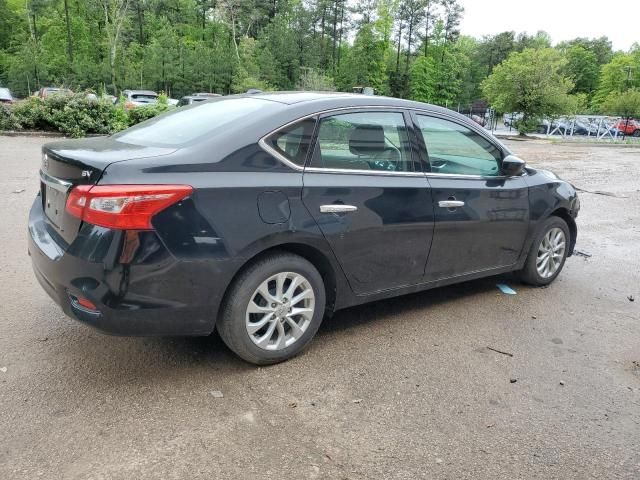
(339, 99)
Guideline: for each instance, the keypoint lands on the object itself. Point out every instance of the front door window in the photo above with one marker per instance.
(455, 149)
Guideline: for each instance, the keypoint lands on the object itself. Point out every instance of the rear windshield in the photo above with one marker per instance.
(187, 124)
(5, 93)
(143, 96)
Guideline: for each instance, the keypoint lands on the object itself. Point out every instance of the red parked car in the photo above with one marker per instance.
(632, 127)
(49, 91)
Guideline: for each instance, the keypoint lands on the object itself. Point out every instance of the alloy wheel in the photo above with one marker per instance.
(551, 252)
(280, 311)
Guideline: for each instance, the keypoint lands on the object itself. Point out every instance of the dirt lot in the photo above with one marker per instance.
(404, 388)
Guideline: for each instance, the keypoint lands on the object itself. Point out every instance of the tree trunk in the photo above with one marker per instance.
(140, 24)
(426, 28)
(233, 34)
(204, 18)
(324, 14)
(69, 44)
(341, 29)
(398, 53)
(335, 24)
(409, 44)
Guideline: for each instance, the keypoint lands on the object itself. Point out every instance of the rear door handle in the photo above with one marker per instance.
(450, 203)
(337, 208)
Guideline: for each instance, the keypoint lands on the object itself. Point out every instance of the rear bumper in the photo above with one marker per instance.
(150, 293)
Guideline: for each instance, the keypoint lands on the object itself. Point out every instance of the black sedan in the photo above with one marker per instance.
(257, 215)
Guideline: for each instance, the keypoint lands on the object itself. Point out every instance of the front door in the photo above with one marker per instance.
(481, 216)
(366, 190)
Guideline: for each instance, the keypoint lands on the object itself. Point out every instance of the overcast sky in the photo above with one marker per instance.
(562, 19)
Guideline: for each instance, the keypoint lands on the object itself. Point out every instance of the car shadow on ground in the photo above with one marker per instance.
(371, 313)
(124, 359)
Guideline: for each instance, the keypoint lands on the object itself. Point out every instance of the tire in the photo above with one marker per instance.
(235, 320)
(636, 133)
(531, 273)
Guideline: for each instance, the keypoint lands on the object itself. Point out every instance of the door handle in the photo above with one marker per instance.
(450, 203)
(337, 208)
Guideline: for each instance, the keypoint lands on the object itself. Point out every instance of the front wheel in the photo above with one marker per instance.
(548, 253)
(636, 133)
(273, 309)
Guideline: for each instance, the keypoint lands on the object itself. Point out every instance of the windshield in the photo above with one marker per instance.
(5, 93)
(184, 125)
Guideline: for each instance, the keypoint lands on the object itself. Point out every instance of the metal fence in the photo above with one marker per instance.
(598, 127)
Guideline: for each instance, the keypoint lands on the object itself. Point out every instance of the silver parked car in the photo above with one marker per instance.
(137, 98)
(5, 96)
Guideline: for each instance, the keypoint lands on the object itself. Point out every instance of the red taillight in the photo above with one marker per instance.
(123, 207)
(86, 303)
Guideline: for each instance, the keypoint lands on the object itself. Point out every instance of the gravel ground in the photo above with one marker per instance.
(401, 389)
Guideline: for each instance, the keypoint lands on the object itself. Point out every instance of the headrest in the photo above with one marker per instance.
(367, 140)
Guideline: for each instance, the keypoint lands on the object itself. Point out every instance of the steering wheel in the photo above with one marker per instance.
(377, 163)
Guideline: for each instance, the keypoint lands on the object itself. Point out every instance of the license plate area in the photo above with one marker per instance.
(54, 203)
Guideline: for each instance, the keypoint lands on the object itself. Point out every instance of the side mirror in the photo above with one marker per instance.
(512, 166)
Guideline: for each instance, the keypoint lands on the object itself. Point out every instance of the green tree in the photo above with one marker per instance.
(582, 67)
(600, 47)
(423, 79)
(530, 82)
(493, 50)
(365, 65)
(618, 75)
(311, 80)
(540, 40)
(625, 104)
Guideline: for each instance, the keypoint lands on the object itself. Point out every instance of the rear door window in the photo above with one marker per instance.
(292, 141)
(364, 141)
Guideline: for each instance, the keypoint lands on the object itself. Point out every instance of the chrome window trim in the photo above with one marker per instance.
(363, 172)
(272, 151)
(266, 147)
(466, 177)
(55, 183)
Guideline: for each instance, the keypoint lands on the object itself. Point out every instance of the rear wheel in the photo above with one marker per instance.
(548, 253)
(636, 133)
(273, 309)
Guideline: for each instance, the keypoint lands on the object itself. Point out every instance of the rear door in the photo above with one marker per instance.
(481, 216)
(366, 190)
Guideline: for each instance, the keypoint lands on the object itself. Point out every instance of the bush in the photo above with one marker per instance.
(140, 114)
(30, 115)
(8, 120)
(75, 115)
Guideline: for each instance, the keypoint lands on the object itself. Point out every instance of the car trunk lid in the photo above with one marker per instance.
(70, 163)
